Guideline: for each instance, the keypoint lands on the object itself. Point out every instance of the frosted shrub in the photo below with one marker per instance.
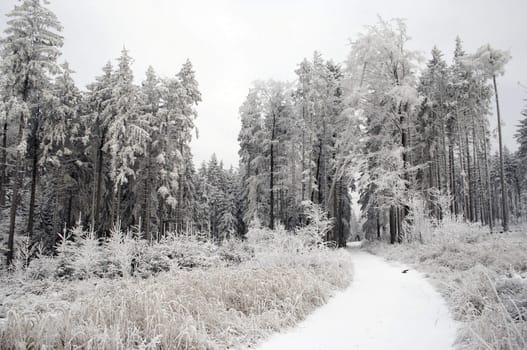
(235, 251)
(319, 225)
(42, 268)
(66, 254)
(80, 255)
(190, 251)
(417, 224)
(27, 250)
(122, 249)
(150, 261)
(261, 235)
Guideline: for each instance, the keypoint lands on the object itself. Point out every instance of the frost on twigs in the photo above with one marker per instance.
(319, 225)
(489, 61)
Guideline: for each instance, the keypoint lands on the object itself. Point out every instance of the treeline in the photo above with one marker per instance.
(426, 137)
(117, 155)
(114, 156)
(290, 152)
(406, 136)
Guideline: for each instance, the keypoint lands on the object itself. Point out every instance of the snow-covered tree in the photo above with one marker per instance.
(62, 155)
(264, 137)
(491, 63)
(29, 53)
(149, 167)
(99, 119)
(381, 90)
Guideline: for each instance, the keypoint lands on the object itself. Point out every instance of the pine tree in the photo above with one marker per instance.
(252, 162)
(63, 145)
(521, 137)
(127, 139)
(491, 63)
(99, 119)
(29, 56)
(433, 141)
(382, 91)
(190, 97)
(151, 91)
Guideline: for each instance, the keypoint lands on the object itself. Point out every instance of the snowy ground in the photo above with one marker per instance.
(382, 309)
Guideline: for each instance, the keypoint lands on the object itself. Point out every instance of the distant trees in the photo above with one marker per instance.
(399, 137)
(289, 149)
(428, 137)
(265, 147)
(217, 208)
(452, 145)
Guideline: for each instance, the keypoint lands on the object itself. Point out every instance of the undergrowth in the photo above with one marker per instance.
(181, 293)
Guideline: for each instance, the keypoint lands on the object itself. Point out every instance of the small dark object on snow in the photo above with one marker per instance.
(405, 271)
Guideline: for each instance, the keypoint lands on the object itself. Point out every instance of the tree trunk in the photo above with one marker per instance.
(504, 203)
(317, 175)
(454, 206)
(3, 165)
(18, 176)
(462, 175)
(322, 187)
(146, 199)
(271, 177)
(161, 217)
(179, 209)
(402, 214)
(98, 190)
(303, 156)
(67, 216)
(337, 217)
(34, 174)
(469, 176)
(116, 208)
(393, 225)
(378, 225)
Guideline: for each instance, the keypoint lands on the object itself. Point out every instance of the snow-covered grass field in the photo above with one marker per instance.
(181, 293)
(482, 276)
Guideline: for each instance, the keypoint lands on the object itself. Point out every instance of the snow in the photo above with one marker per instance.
(382, 309)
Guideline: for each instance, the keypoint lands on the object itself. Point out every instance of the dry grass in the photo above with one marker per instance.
(240, 293)
(483, 277)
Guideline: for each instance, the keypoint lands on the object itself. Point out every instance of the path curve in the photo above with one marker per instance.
(383, 309)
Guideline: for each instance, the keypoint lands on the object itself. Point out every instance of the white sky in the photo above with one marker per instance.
(234, 42)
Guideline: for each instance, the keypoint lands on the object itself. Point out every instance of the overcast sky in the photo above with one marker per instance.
(234, 42)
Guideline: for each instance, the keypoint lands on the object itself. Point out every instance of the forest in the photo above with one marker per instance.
(407, 134)
(118, 154)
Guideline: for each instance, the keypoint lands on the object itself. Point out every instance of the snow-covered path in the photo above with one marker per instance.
(382, 309)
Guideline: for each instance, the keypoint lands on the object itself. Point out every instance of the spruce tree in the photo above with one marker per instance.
(29, 57)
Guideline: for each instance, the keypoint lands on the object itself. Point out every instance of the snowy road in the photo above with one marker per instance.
(383, 309)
